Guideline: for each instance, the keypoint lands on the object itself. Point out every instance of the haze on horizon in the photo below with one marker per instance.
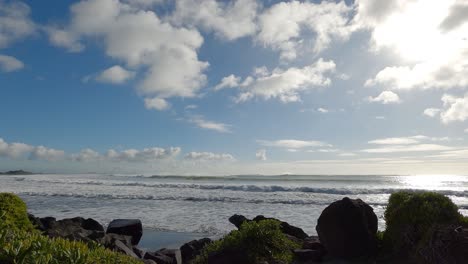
(234, 87)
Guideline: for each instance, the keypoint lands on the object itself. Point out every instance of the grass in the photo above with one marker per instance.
(254, 242)
(21, 244)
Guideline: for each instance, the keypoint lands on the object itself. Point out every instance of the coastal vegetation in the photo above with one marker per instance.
(421, 227)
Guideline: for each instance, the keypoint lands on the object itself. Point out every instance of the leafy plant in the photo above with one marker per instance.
(255, 242)
(14, 212)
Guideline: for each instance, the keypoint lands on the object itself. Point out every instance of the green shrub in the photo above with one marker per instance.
(256, 241)
(13, 212)
(20, 243)
(411, 215)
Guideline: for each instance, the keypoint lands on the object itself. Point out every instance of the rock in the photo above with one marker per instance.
(139, 252)
(447, 244)
(192, 249)
(348, 228)
(76, 228)
(307, 255)
(174, 254)
(149, 261)
(313, 242)
(238, 220)
(36, 222)
(127, 227)
(286, 228)
(159, 258)
(109, 240)
(121, 247)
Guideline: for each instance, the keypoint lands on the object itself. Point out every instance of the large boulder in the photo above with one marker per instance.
(127, 227)
(238, 220)
(192, 249)
(348, 228)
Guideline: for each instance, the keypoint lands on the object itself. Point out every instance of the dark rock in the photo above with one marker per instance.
(238, 220)
(159, 258)
(139, 252)
(127, 227)
(149, 261)
(121, 247)
(192, 249)
(227, 257)
(36, 222)
(348, 228)
(76, 228)
(109, 240)
(286, 228)
(174, 254)
(447, 244)
(313, 242)
(306, 255)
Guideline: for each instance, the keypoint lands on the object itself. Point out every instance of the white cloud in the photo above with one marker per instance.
(466, 130)
(386, 97)
(138, 37)
(14, 150)
(43, 153)
(208, 156)
(144, 3)
(15, 22)
(188, 107)
(261, 154)
(293, 143)
(229, 20)
(347, 154)
(380, 117)
(145, 155)
(395, 141)
(456, 109)
(432, 54)
(64, 39)
(115, 75)
(86, 155)
(10, 64)
(286, 85)
(431, 112)
(230, 81)
(286, 26)
(407, 148)
(323, 110)
(156, 103)
(201, 122)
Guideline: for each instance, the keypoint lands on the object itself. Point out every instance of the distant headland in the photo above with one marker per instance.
(16, 172)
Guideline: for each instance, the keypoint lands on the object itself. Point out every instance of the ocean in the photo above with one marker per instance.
(204, 204)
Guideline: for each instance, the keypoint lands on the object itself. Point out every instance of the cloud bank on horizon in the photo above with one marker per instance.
(244, 86)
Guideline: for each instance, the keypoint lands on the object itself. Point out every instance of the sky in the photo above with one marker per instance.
(206, 87)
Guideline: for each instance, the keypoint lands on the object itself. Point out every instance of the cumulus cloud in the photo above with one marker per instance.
(429, 36)
(323, 110)
(43, 153)
(86, 155)
(115, 75)
(431, 112)
(261, 154)
(10, 64)
(145, 155)
(156, 103)
(208, 156)
(64, 39)
(201, 122)
(455, 109)
(15, 22)
(286, 26)
(285, 85)
(14, 150)
(292, 143)
(229, 20)
(167, 55)
(385, 97)
(230, 81)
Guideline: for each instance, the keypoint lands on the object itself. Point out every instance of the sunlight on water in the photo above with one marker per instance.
(434, 182)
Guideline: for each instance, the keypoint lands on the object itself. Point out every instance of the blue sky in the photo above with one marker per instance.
(234, 87)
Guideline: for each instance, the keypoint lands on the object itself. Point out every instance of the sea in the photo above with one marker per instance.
(199, 204)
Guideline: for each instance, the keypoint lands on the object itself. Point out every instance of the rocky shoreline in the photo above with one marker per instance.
(347, 232)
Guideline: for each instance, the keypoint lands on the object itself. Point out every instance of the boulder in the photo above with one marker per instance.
(347, 228)
(174, 254)
(307, 255)
(159, 258)
(227, 257)
(192, 249)
(123, 248)
(76, 228)
(313, 242)
(127, 227)
(109, 240)
(238, 220)
(447, 244)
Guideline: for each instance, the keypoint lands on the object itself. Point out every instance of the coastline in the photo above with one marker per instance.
(156, 239)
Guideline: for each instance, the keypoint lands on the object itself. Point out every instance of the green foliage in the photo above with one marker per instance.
(14, 213)
(257, 241)
(19, 243)
(410, 215)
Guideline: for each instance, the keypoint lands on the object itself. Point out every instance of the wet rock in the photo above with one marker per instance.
(238, 220)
